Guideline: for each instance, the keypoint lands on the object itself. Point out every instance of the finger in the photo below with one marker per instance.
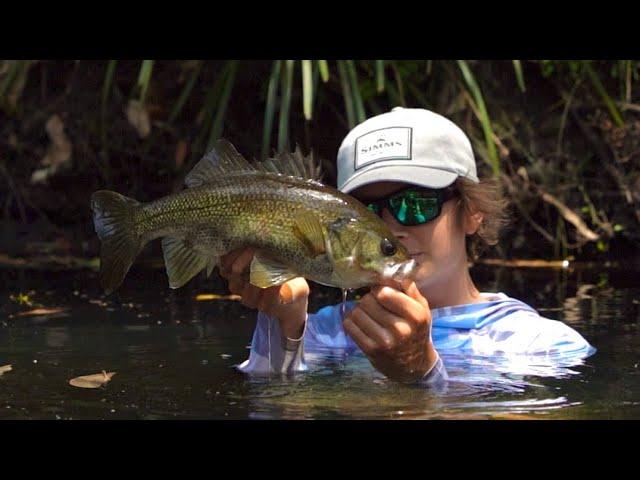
(382, 337)
(236, 284)
(398, 325)
(242, 262)
(366, 344)
(411, 289)
(227, 260)
(401, 304)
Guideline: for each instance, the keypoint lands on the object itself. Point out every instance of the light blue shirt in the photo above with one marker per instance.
(501, 327)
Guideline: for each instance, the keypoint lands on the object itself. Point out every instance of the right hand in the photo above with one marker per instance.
(287, 302)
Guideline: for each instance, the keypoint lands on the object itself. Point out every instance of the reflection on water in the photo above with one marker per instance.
(175, 357)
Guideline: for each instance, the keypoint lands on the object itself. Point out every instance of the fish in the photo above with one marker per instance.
(297, 226)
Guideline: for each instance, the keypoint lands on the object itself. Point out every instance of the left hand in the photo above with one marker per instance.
(393, 329)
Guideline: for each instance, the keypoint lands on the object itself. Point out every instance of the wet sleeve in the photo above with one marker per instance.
(272, 352)
(436, 378)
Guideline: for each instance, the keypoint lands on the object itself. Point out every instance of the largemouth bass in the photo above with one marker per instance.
(297, 225)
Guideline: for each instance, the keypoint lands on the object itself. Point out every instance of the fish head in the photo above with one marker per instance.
(365, 252)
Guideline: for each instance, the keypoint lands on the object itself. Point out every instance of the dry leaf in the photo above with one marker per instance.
(41, 311)
(214, 296)
(4, 369)
(92, 381)
(58, 153)
(138, 117)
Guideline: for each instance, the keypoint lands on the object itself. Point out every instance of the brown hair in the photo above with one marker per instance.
(488, 199)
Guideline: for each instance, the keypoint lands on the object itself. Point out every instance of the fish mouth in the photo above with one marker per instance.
(400, 271)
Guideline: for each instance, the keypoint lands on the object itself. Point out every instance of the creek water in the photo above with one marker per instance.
(174, 356)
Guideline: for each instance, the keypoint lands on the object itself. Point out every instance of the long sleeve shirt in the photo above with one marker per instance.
(501, 326)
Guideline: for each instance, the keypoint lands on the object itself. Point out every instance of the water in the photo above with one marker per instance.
(175, 356)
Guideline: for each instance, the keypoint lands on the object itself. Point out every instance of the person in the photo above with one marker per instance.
(416, 169)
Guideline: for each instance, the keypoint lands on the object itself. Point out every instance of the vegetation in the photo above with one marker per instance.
(562, 136)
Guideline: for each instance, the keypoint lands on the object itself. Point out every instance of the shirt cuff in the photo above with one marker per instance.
(437, 374)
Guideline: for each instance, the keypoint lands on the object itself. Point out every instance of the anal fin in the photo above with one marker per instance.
(267, 273)
(183, 262)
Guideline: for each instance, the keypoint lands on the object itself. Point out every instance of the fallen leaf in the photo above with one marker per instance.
(138, 117)
(4, 369)
(214, 296)
(41, 311)
(92, 381)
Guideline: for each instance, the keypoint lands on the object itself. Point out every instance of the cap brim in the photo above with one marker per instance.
(416, 175)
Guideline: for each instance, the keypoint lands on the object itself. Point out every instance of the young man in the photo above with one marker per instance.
(416, 169)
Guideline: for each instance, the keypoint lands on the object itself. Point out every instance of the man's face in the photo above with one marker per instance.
(437, 246)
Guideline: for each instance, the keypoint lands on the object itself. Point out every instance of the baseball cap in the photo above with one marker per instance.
(411, 145)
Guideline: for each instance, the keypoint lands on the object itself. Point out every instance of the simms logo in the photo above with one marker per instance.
(385, 144)
(380, 144)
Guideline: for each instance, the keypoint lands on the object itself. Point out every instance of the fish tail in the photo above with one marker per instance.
(114, 224)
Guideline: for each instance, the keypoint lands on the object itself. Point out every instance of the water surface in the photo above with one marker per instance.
(175, 356)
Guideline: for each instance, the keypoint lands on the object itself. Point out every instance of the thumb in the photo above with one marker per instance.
(411, 289)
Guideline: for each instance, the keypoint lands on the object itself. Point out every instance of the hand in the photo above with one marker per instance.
(393, 328)
(287, 302)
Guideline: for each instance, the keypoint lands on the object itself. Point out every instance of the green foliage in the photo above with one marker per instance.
(497, 103)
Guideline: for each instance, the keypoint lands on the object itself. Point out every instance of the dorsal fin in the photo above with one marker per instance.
(224, 159)
(295, 164)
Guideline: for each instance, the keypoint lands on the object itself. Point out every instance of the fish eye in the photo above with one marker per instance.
(387, 247)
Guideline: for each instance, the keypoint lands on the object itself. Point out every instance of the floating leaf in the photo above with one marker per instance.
(92, 381)
(138, 117)
(41, 311)
(214, 296)
(4, 369)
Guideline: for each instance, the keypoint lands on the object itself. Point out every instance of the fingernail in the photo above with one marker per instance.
(286, 295)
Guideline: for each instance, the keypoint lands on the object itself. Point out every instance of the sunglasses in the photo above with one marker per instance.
(414, 205)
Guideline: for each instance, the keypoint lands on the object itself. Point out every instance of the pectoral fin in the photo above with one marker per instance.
(183, 262)
(310, 231)
(267, 273)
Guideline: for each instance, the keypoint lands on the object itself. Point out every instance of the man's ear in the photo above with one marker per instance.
(472, 222)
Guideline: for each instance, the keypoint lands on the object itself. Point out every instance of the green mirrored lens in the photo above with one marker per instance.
(411, 208)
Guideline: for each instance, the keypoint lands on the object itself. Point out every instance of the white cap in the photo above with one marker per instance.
(409, 145)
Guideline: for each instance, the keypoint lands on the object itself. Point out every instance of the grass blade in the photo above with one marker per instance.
(307, 89)
(470, 80)
(144, 77)
(355, 91)
(13, 73)
(380, 76)
(518, 69)
(346, 93)
(185, 94)
(399, 83)
(108, 81)
(285, 103)
(324, 70)
(216, 129)
(611, 106)
(205, 115)
(270, 108)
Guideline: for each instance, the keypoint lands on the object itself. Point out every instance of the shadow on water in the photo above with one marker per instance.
(175, 356)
